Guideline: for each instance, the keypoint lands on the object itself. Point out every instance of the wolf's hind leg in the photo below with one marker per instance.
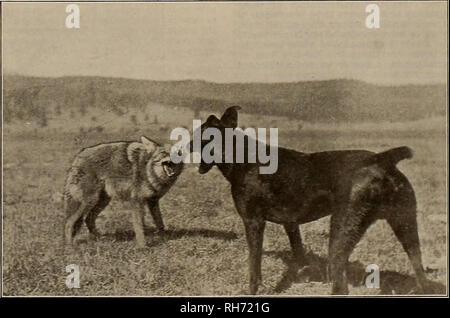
(74, 221)
(92, 215)
(77, 226)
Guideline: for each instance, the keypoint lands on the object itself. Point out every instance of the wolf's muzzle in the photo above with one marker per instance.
(169, 167)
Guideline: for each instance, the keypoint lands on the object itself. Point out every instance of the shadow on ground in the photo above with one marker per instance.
(171, 234)
(390, 282)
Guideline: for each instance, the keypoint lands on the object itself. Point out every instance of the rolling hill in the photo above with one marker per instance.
(32, 98)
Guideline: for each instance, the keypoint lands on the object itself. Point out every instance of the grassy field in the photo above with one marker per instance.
(204, 251)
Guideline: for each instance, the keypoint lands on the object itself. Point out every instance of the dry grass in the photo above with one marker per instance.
(204, 252)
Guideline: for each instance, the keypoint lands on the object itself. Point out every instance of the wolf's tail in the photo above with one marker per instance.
(391, 157)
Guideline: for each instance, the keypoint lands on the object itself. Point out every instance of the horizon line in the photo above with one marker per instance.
(6, 73)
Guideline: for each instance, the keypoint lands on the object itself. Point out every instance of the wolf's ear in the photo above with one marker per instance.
(149, 145)
(230, 117)
(133, 151)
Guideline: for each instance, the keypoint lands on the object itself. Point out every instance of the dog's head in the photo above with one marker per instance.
(229, 119)
(156, 158)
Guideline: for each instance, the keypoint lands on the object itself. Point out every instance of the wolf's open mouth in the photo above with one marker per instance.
(168, 169)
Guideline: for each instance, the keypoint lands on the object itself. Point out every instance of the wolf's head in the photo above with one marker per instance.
(229, 119)
(155, 159)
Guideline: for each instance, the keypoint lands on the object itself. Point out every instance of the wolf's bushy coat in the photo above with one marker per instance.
(129, 171)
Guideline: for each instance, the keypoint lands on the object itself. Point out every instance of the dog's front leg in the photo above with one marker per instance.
(254, 230)
(138, 225)
(153, 206)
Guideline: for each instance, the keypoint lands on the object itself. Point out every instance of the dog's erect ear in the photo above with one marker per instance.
(230, 117)
(213, 121)
(149, 145)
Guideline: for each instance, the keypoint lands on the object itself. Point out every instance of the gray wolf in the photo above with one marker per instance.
(137, 172)
(355, 187)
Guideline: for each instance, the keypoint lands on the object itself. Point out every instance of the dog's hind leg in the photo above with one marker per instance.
(347, 227)
(404, 226)
(92, 215)
(403, 220)
(295, 239)
(402, 217)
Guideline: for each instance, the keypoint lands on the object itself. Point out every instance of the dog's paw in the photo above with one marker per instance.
(161, 232)
(309, 273)
(141, 247)
(71, 248)
(95, 236)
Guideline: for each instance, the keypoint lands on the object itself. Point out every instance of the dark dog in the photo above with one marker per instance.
(355, 187)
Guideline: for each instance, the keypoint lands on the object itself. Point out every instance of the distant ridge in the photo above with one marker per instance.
(314, 101)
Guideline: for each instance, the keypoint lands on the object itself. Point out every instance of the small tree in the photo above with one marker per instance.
(197, 109)
(83, 110)
(58, 110)
(133, 120)
(43, 121)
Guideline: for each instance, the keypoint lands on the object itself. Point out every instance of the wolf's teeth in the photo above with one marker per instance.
(168, 171)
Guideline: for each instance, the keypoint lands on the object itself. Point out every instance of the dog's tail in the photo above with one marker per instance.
(390, 157)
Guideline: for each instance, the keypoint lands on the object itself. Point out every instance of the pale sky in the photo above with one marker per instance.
(230, 42)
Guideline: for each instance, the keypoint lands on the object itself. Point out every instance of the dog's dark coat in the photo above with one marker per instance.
(355, 187)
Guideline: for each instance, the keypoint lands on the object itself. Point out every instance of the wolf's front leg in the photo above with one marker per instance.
(153, 206)
(138, 225)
